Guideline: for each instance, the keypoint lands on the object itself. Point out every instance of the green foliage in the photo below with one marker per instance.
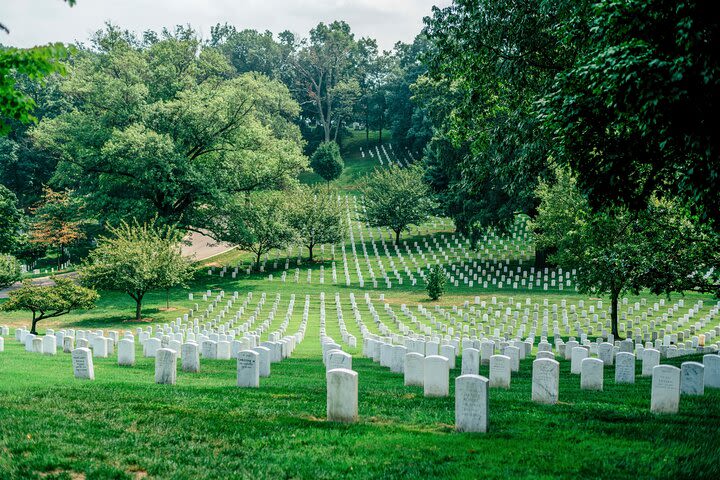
(316, 217)
(617, 251)
(326, 76)
(496, 59)
(634, 114)
(48, 301)
(9, 270)
(35, 63)
(256, 222)
(327, 162)
(436, 281)
(10, 220)
(137, 259)
(397, 197)
(161, 129)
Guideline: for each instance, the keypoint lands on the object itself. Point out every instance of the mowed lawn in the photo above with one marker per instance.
(122, 425)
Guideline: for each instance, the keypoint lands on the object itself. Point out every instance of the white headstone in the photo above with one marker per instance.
(264, 360)
(591, 374)
(692, 378)
(414, 369)
(83, 363)
(190, 357)
(342, 395)
(436, 379)
(126, 352)
(578, 355)
(165, 366)
(248, 369)
(665, 394)
(471, 403)
(500, 371)
(470, 362)
(545, 381)
(625, 368)
(712, 370)
(651, 359)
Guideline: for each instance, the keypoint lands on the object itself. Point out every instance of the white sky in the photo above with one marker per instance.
(38, 22)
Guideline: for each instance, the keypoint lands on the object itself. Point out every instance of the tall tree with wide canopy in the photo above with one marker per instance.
(326, 68)
(635, 116)
(159, 128)
(499, 57)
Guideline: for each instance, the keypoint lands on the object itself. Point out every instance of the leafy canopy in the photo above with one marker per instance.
(327, 162)
(47, 301)
(396, 197)
(137, 258)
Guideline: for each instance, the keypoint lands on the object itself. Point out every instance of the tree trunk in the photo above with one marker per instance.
(167, 299)
(614, 295)
(397, 236)
(310, 247)
(60, 257)
(138, 308)
(380, 136)
(34, 323)
(257, 261)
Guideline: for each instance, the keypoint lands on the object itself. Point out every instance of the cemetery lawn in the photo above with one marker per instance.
(122, 425)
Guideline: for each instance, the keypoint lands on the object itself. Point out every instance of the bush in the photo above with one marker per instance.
(436, 283)
(9, 270)
(327, 162)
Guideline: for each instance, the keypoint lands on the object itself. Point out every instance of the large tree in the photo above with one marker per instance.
(634, 115)
(498, 57)
(396, 197)
(617, 250)
(316, 217)
(160, 127)
(49, 301)
(326, 74)
(136, 259)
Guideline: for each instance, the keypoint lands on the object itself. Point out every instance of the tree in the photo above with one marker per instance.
(10, 220)
(316, 218)
(9, 270)
(48, 301)
(257, 223)
(437, 279)
(162, 128)
(496, 59)
(617, 251)
(136, 259)
(325, 67)
(397, 197)
(36, 63)
(634, 115)
(327, 162)
(58, 221)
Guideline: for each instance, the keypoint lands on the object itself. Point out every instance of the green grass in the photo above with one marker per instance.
(122, 425)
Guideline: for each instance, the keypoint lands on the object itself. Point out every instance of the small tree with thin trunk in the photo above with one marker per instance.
(48, 301)
(256, 222)
(136, 259)
(316, 218)
(618, 251)
(397, 197)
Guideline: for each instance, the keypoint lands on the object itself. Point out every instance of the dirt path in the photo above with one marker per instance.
(201, 247)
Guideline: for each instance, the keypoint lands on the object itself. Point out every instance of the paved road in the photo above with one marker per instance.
(201, 247)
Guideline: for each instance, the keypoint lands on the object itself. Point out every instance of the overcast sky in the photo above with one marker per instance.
(37, 22)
